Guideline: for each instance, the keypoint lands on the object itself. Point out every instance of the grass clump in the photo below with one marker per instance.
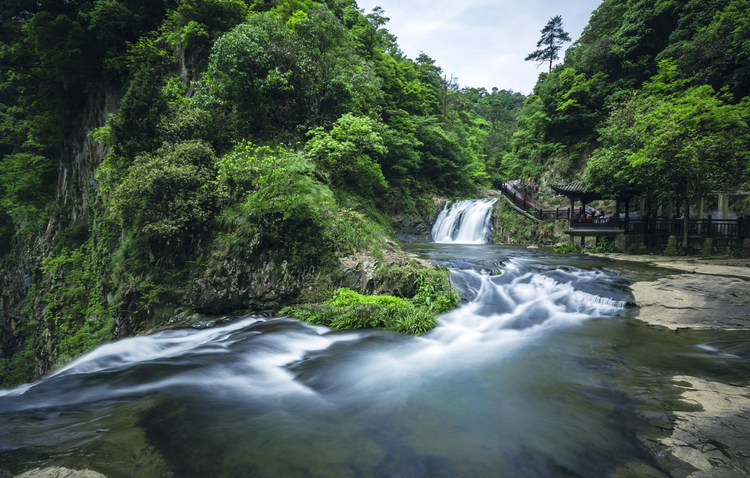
(604, 247)
(347, 309)
(567, 248)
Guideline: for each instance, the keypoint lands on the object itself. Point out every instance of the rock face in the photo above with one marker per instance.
(56, 472)
(713, 439)
(242, 285)
(392, 274)
(694, 301)
(671, 246)
(416, 227)
(512, 228)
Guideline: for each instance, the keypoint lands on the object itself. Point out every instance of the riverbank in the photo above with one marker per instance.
(703, 293)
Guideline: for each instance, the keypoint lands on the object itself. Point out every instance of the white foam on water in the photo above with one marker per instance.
(496, 324)
(236, 360)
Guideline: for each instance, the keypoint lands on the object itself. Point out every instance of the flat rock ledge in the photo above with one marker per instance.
(714, 440)
(57, 472)
(695, 301)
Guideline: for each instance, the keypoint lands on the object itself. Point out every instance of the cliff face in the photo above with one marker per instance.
(23, 279)
(84, 280)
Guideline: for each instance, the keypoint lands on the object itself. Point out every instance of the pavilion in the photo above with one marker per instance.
(581, 226)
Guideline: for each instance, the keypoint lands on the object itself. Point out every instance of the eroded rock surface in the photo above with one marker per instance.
(716, 438)
(694, 301)
(57, 472)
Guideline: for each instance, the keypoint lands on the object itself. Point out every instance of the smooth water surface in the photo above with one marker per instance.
(539, 372)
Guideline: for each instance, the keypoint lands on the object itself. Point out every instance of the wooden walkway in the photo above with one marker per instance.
(722, 228)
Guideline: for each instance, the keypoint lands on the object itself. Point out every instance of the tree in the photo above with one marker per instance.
(672, 140)
(553, 38)
(349, 154)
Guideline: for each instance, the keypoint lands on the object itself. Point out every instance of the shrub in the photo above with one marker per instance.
(349, 310)
(168, 192)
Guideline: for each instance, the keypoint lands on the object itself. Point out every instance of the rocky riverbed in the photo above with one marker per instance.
(703, 294)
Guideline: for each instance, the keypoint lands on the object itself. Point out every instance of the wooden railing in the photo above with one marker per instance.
(696, 227)
(539, 213)
(612, 222)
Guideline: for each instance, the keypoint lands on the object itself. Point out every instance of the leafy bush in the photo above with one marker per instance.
(18, 369)
(435, 291)
(605, 247)
(567, 248)
(170, 191)
(347, 309)
(350, 310)
(349, 154)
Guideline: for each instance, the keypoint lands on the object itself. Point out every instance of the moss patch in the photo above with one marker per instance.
(346, 309)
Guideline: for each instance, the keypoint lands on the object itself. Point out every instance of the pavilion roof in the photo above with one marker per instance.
(580, 190)
(577, 190)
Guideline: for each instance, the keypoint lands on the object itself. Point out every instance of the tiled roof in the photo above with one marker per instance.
(576, 187)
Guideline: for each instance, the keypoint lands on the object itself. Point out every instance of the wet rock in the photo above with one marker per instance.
(716, 439)
(57, 472)
(694, 301)
(415, 227)
(392, 274)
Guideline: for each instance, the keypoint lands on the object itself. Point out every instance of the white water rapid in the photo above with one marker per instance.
(464, 222)
(511, 368)
(255, 356)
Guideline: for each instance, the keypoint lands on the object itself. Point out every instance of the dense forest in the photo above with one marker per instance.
(653, 98)
(156, 155)
(154, 151)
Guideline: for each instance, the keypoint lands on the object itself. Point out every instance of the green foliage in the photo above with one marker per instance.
(624, 45)
(18, 369)
(568, 248)
(605, 247)
(283, 204)
(674, 139)
(169, 192)
(349, 154)
(135, 125)
(435, 291)
(76, 280)
(26, 182)
(553, 38)
(349, 310)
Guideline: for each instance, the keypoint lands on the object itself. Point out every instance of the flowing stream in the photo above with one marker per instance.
(542, 370)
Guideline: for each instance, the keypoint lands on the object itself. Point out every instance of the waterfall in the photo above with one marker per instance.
(464, 222)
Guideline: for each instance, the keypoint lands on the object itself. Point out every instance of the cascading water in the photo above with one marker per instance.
(277, 397)
(511, 383)
(464, 222)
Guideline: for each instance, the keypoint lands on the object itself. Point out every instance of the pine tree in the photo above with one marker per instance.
(553, 37)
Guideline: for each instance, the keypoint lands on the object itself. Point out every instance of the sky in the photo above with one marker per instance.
(482, 42)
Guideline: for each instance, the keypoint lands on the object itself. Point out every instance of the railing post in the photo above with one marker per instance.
(709, 229)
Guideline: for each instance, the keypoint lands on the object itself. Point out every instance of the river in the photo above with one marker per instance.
(543, 370)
